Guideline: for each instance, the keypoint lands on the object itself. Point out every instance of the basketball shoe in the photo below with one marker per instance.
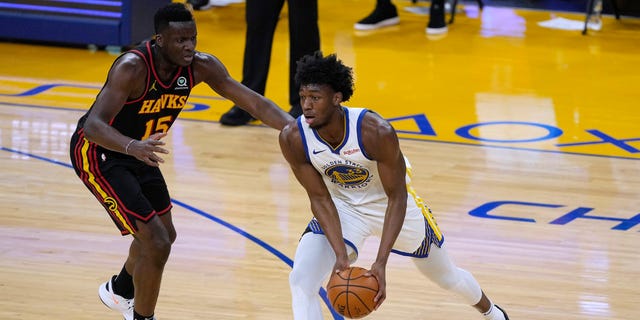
(436, 25)
(506, 317)
(236, 117)
(380, 17)
(114, 301)
(199, 4)
(207, 4)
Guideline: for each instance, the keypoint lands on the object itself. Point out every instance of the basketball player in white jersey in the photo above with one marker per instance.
(350, 163)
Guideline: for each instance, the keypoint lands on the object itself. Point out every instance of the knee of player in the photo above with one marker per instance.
(300, 281)
(172, 236)
(295, 277)
(445, 278)
(160, 248)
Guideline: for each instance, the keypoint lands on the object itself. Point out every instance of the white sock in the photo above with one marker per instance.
(494, 313)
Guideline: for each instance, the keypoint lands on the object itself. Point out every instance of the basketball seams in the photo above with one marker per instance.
(361, 302)
(351, 285)
(347, 293)
(337, 297)
(363, 287)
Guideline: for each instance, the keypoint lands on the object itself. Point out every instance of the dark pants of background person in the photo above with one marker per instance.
(262, 19)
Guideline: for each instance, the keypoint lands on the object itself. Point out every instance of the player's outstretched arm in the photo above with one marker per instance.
(209, 69)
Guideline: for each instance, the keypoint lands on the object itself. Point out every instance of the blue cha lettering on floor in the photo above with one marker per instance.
(550, 132)
(488, 211)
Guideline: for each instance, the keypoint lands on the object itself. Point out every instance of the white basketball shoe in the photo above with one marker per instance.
(114, 301)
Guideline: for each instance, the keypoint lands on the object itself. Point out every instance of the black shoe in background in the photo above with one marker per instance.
(236, 117)
(199, 4)
(436, 25)
(295, 111)
(380, 17)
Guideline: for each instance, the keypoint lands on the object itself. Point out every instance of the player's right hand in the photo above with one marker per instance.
(146, 150)
(341, 264)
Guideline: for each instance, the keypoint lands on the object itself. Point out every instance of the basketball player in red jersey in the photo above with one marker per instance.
(359, 185)
(116, 147)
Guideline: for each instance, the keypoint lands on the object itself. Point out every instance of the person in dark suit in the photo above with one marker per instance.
(304, 36)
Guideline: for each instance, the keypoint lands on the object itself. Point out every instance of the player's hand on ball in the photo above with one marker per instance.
(378, 270)
(351, 292)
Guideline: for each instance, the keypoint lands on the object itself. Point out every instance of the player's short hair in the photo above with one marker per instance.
(318, 69)
(173, 12)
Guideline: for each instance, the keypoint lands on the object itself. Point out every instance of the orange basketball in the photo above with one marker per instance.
(351, 293)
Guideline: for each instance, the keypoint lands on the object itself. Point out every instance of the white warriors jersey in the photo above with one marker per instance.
(352, 179)
(348, 172)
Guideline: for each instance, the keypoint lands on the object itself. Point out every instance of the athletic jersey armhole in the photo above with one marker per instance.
(304, 140)
(146, 86)
(359, 135)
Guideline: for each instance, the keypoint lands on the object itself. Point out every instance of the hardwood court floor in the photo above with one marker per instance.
(524, 141)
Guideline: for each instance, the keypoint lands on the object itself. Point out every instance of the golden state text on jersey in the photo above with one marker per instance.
(347, 174)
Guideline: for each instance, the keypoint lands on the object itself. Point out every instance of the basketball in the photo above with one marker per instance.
(351, 293)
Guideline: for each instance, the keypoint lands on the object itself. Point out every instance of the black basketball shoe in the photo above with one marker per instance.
(199, 4)
(380, 17)
(236, 117)
(436, 25)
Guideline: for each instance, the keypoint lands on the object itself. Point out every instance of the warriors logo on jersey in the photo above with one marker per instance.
(347, 171)
(348, 175)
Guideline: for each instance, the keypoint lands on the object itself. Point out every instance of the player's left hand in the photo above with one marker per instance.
(147, 150)
(378, 270)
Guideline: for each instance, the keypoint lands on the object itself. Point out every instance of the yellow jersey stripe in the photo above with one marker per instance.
(426, 212)
(113, 205)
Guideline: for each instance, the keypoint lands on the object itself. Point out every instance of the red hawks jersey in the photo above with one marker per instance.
(157, 109)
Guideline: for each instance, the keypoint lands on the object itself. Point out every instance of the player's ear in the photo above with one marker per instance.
(337, 98)
(159, 40)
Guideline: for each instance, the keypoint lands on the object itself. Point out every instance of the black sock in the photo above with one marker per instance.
(123, 284)
(137, 316)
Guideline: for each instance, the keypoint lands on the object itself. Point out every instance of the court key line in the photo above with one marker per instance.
(238, 230)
